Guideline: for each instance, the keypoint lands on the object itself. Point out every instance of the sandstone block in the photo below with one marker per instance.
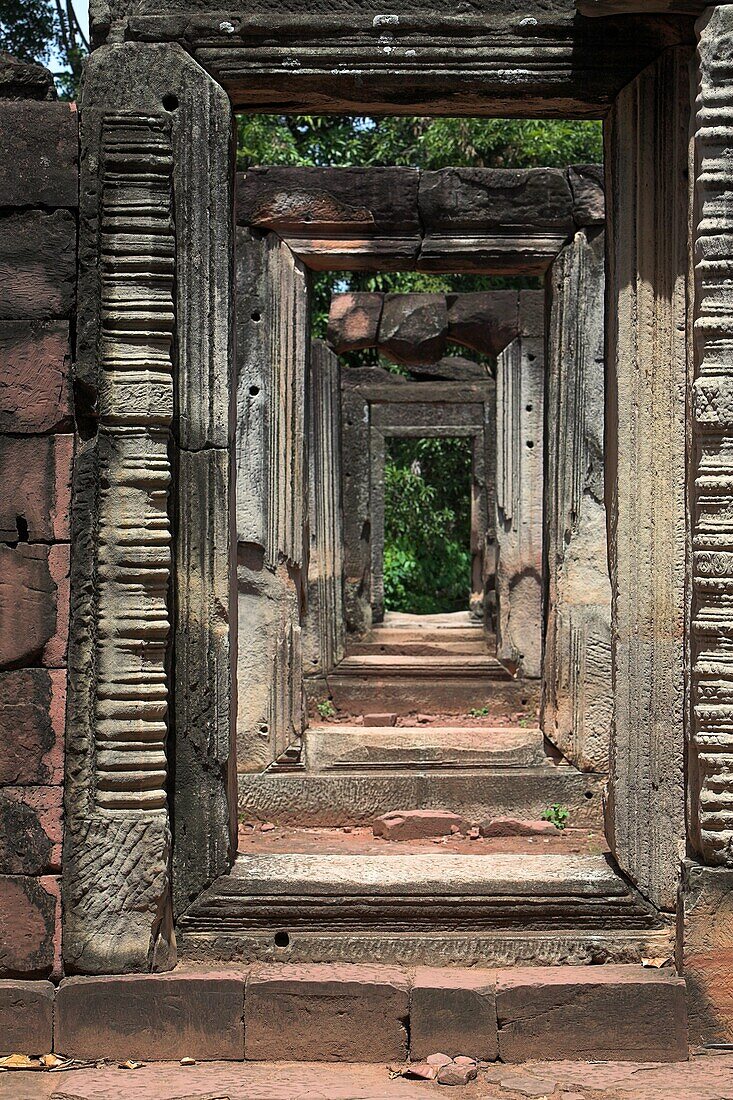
(457, 1074)
(532, 312)
(26, 1017)
(454, 1011)
(451, 368)
(589, 200)
(380, 719)
(484, 321)
(707, 951)
(35, 391)
(152, 1016)
(325, 1013)
(34, 604)
(353, 321)
(35, 473)
(30, 830)
(414, 327)
(514, 826)
(620, 1013)
(418, 824)
(29, 908)
(461, 199)
(32, 710)
(24, 80)
(39, 151)
(37, 264)
(363, 202)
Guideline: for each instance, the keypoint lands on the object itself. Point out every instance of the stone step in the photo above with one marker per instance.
(334, 747)
(428, 667)
(419, 648)
(356, 1013)
(357, 797)
(412, 907)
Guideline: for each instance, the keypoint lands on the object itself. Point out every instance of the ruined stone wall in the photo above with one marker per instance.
(38, 234)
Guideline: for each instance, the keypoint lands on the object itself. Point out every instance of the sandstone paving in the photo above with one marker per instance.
(704, 1077)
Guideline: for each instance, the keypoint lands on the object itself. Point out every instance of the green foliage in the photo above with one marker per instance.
(46, 32)
(427, 524)
(478, 712)
(558, 815)
(326, 709)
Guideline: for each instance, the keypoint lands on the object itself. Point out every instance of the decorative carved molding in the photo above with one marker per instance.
(711, 795)
(137, 270)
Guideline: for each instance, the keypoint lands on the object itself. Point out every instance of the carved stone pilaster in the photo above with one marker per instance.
(144, 405)
(711, 749)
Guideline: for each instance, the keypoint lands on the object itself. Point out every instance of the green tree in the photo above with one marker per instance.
(45, 31)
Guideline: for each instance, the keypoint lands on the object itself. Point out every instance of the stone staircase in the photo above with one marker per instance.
(312, 887)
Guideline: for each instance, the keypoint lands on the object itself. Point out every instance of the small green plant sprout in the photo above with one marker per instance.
(478, 712)
(558, 815)
(526, 721)
(326, 709)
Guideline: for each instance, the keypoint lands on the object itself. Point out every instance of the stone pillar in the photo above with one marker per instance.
(377, 458)
(577, 700)
(273, 345)
(646, 388)
(519, 477)
(356, 474)
(152, 375)
(324, 626)
(706, 949)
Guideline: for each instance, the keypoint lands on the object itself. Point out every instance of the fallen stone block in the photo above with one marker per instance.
(454, 1011)
(323, 1013)
(26, 1017)
(619, 1013)
(513, 826)
(152, 1016)
(418, 824)
(380, 719)
(457, 1074)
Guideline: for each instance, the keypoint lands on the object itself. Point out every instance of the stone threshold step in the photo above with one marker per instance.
(335, 746)
(418, 892)
(421, 648)
(339, 798)
(356, 1013)
(455, 665)
(363, 692)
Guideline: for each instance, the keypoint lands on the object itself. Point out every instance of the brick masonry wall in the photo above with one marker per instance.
(38, 234)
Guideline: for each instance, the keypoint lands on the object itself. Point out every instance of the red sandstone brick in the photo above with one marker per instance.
(59, 558)
(35, 391)
(30, 830)
(32, 715)
(454, 1012)
(35, 473)
(152, 1016)
(418, 824)
(39, 151)
(26, 1017)
(37, 264)
(326, 1013)
(29, 909)
(34, 604)
(624, 1013)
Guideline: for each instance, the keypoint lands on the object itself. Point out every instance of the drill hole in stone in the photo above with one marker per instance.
(282, 939)
(170, 102)
(530, 443)
(254, 390)
(256, 316)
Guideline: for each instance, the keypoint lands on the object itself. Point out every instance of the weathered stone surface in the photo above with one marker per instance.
(519, 503)
(460, 198)
(35, 474)
(35, 390)
(24, 80)
(30, 830)
(485, 321)
(29, 908)
(33, 704)
(39, 152)
(647, 474)
(451, 368)
(414, 327)
(595, 1012)
(326, 1014)
(706, 951)
(457, 1074)
(577, 694)
(324, 625)
(587, 186)
(152, 1016)
(418, 824)
(28, 605)
(453, 1011)
(37, 264)
(513, 826)
(353, 321)
(26, 1017)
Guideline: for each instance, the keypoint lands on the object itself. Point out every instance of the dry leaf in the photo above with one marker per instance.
(655, 962)
(17, 1061)
(129, 1064)
(50, 1061)
(188, 1061)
